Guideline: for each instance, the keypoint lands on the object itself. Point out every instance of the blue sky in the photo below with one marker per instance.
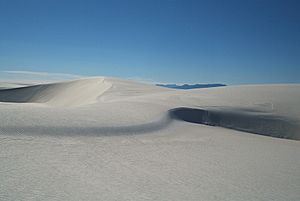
(178, 41)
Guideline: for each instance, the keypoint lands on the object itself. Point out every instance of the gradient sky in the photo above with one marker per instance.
(182, 41)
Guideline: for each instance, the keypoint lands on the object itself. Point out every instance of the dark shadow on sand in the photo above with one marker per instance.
(257, 123)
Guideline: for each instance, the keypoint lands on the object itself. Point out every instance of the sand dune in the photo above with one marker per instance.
(72, 93)
(87, 91)
(110, 139)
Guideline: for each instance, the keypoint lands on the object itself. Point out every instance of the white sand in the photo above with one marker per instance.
(110, 139)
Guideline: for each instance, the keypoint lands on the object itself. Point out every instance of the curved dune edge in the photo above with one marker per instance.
(94, 131)
(266, 125)
(262, 124)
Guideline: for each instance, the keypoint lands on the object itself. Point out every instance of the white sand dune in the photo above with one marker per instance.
(72, 93)
(110, 139)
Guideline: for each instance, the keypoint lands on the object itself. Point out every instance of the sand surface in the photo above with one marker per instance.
(105, 138)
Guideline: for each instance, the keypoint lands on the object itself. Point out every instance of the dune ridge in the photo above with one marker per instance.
(71, 93)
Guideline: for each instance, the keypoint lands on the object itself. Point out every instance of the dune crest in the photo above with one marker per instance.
(71, 93)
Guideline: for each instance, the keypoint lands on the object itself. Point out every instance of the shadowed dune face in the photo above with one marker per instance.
(262, 124)
(19, 95)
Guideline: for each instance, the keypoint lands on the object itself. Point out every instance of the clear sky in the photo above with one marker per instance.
(182, 41)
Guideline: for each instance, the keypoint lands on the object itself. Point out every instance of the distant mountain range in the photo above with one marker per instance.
(190, 86)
